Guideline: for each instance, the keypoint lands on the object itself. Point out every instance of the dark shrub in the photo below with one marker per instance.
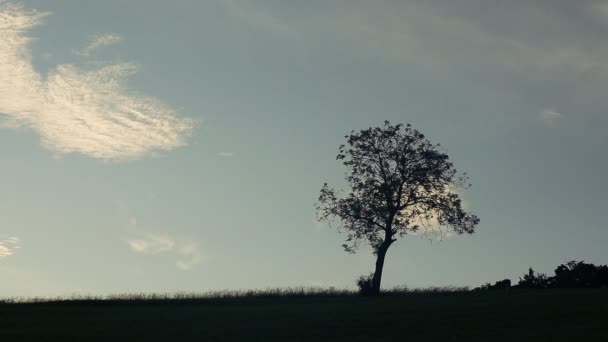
(504, 284)
(365, 285)
(580, 274)
(533, 280)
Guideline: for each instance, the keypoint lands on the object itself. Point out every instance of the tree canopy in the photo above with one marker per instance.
(399, 183)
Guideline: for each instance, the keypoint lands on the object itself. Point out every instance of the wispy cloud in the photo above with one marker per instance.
(598, 9)
(152, 244)
(245, 10)
(4, 251)
(460, 45)
(226, 154)
(8, 246)
(435, 37)
(101, 41)
(90, 112)
(187, 252)
(550, 116)
(189, 255)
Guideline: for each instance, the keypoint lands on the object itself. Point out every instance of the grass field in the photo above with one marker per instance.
(547, 315)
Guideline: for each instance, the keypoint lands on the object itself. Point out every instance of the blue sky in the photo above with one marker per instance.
(180, 146)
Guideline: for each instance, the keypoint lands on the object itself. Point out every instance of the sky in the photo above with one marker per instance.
(156, 146)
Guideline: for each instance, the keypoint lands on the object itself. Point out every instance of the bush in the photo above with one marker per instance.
(533, 280)
(398, 290)
(364, 283)
(504, 284)
(580, 274)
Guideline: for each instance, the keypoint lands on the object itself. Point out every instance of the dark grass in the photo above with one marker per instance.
(315, 315)
(223, 295)
(188, 297)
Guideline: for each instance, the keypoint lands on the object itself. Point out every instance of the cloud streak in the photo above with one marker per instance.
(8, 246)
(245, 10)
(187, 252)
(101, 41)
(152, 244)
(438, 37)
(550, 116)
(89, 112)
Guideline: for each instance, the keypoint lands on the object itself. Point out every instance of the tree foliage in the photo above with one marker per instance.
(399, 183)
(577, 274)
(533, 280)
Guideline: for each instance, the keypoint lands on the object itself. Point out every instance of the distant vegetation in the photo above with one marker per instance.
(573, 274)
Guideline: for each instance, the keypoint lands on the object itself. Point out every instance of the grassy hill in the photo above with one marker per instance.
(548, 315)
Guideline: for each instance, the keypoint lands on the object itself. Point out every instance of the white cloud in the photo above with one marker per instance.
(226, 154)
(90, 112)
(550, 116)
(101, 41)
(13, 240)
(187, 252)
(189, 255)
(5, 251)
(8, 246)
(152, 244)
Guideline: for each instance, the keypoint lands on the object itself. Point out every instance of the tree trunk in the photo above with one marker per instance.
(377, 279)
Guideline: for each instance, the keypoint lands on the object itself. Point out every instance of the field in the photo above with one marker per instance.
(546, 315)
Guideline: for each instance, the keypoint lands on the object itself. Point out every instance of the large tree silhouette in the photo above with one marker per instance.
(399, 183)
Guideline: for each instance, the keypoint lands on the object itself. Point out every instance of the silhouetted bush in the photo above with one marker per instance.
(533, 280)
(577, 274)
(397, 290)
(504, 284)
(365, 285)
(573, 274)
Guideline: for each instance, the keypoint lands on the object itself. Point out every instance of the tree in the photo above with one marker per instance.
(533, 280)
(577, 274)
(399, 183)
